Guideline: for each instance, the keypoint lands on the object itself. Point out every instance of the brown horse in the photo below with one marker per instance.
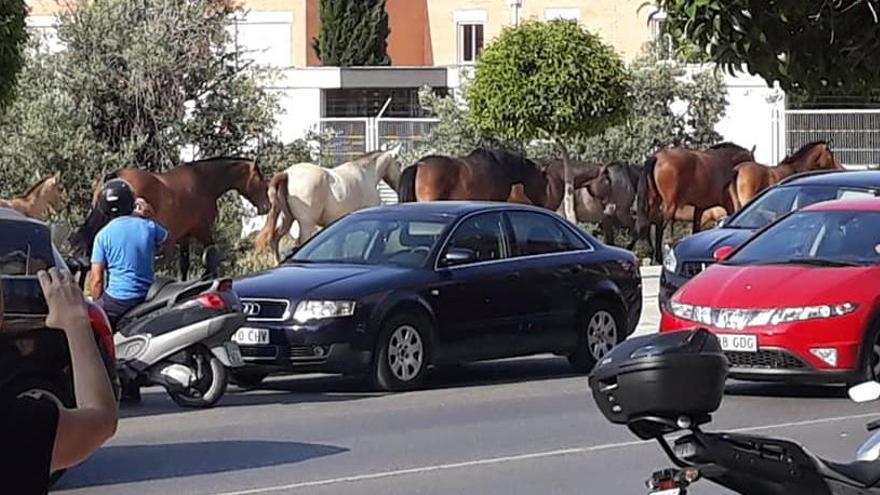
(41, 199)
(184, 200)
(482, 175)
(677, 177)
(554, 182)
(750, 178)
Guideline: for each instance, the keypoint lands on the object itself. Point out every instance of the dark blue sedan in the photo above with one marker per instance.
(693, 254)
(388, 292)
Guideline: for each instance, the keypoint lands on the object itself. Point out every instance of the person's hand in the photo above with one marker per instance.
(143, 209)
(67, 306)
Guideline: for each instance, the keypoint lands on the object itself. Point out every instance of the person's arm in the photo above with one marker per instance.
(96, 280)
(160, 236)
(82, 430)
(99, 264)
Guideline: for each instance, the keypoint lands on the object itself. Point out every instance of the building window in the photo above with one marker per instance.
(570, 14)
(470, 42)
(367, 102)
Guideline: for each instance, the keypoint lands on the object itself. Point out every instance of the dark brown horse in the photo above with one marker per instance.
(554, 182)
(184, 200)
(750, 178)
(482, 175)
(677, 177)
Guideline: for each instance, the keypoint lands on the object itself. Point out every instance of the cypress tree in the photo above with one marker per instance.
(353, 32)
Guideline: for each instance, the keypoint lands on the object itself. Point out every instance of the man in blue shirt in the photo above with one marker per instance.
(124, 249)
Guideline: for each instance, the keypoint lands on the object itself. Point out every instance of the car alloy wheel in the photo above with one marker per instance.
(406, 353)
(601, 334)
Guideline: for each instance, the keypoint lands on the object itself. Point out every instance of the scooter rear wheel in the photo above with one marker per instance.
(212, 379)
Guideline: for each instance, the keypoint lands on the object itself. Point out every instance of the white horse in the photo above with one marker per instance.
(314, 196)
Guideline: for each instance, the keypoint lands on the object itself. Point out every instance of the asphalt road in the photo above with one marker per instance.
(525, 426)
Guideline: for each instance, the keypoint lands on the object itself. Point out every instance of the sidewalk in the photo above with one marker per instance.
(650, 310)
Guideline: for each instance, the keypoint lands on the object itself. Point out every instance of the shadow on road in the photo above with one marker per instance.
(133, 463)
(500, 372)
(304, 389)
(754, 389)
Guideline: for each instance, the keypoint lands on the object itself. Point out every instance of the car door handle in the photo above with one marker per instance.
(513, 276)
(576, 269)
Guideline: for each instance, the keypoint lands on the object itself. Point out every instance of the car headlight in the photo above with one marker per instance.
(317, 310)
(670, 264)
(739, 319)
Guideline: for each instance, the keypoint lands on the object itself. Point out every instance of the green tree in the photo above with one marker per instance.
(13, 36)
(811, 48)
(670, 103)
(137, 84)
(353, 33)
(552, 81)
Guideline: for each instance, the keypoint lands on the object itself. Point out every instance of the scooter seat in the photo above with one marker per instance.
(865, 473)
(158, 284)
(162, 293)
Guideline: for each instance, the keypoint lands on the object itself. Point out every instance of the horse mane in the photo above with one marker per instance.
(366, 159)
(36, 186)
(726, 145)
(513, 160)
(797, 155)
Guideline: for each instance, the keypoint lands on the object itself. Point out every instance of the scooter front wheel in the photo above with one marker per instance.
(212, 379)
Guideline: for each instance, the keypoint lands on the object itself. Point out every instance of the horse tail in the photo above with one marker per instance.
(647, 185)
(277, 207)
(407, 188)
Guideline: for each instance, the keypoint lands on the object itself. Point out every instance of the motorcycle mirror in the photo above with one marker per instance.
(865, 392)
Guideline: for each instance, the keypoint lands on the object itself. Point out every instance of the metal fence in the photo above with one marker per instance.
(349, 138)
(854, 134)
(352, 137)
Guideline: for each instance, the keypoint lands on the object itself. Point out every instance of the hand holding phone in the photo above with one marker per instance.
(65, 300)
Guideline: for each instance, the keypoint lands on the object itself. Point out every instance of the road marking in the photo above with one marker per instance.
(438, 467)
(515, 458)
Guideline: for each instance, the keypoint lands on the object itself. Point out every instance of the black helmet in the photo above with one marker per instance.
(117, 198)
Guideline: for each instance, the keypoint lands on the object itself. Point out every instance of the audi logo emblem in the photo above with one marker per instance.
(250, 308)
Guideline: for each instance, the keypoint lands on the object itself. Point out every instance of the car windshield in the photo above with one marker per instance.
(782, 200)
(816, 238)
(374, 241)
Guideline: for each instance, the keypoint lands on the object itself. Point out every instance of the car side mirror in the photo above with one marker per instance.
(722, 253)
(458, 256)
(721, 222)
(865, 392)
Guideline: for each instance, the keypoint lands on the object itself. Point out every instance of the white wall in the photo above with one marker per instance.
(749, 118)
(300, 111)
(266, 37)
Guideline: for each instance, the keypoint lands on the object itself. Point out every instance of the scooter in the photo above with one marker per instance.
(180, 338)
(665, 384)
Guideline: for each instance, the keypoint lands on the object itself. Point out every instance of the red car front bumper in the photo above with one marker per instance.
(785, 351)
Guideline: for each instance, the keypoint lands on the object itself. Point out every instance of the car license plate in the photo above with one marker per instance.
(251, 336)
(671, 491)
(738, 343)
(234, 354)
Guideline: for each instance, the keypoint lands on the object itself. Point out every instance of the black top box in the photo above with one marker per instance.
(658, 383)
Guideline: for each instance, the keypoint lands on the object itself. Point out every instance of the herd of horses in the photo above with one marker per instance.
(697, 186)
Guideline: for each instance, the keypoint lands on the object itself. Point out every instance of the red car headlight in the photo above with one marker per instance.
(745, 318)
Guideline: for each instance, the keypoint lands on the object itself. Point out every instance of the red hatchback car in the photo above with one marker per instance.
(799, 301)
